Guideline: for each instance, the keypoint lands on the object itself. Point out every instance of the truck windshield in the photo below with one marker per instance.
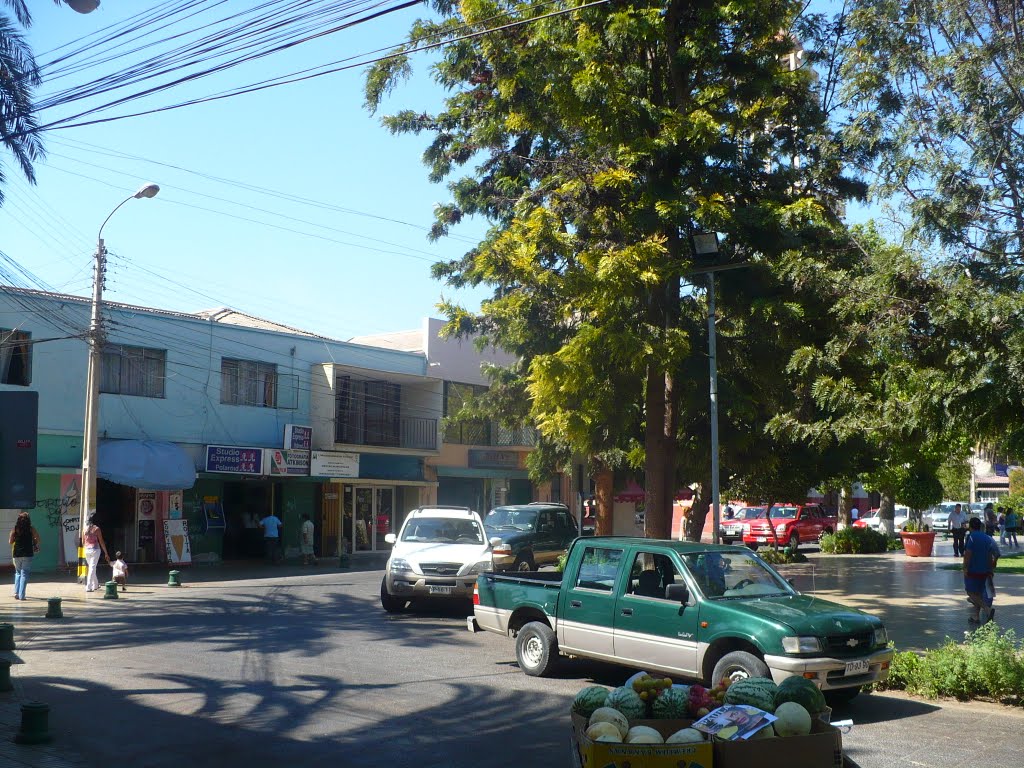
(722, 575)
(511, 519)
(783, 513)
(443, 529)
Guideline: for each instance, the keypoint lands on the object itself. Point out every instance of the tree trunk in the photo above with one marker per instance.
(604, 480)
(699, 511)
(657, 505)
(886, 512)
(845, 507)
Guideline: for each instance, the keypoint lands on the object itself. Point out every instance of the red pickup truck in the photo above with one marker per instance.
(794, 524)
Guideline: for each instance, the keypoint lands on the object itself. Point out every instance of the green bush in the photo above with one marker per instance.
(781, 556)
(989, 664)
(854, 541)
(895, 544)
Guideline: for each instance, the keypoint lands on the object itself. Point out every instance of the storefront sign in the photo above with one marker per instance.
(333, 464)
(146, 504)
(287, 463)
(298, 438)
(178, 547)
(238, 461)
(484, 459)
(69, 525)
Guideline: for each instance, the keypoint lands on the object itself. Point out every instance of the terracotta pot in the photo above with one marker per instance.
(918, 544)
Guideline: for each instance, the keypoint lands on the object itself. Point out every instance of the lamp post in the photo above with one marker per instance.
(90, 439)
(706, 244)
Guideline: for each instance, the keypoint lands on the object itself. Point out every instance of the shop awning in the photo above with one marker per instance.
(148, 464)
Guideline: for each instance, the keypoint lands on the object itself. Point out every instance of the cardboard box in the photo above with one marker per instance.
(607, 755)
(822, 748)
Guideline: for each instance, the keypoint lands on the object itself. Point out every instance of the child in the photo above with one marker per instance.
(120, 571)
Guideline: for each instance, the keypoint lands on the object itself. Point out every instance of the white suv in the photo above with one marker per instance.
(439, 552)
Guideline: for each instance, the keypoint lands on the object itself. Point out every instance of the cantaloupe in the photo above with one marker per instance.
(793, 720)
(613, 716)
(642, 734)
(603, 732)
(686, 736)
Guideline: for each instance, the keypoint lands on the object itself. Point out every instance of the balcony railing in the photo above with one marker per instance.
(488, 433)
(411, 432)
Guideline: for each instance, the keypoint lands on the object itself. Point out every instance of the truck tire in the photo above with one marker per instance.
(794, 541)
(524, 563)
(389, 602)
(536, 649)
(739, 665)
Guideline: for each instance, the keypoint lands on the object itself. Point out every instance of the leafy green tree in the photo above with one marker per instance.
(18, 76)
(955, 476)
(595, 144)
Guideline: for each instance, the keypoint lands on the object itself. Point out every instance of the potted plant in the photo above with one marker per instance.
(918, 539)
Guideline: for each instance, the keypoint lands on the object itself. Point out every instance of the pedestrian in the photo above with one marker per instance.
(306, 542)
(854, 514)
(92, 540)
(990, 520)
(957, 524)
(271, 525)
(1001, 524)
(1012, 520)
(24, 541)
(120, 571)
(980, 557)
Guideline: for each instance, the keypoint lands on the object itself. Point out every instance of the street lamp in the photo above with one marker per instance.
(706, 244)
(83, 6)
(90, 440)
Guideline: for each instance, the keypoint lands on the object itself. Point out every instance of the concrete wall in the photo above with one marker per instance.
(459, 359)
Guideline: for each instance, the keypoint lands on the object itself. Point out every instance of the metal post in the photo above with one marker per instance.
(713, 365)
(90, 440)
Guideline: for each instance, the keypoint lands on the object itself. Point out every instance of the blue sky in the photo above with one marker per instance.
(203, 243)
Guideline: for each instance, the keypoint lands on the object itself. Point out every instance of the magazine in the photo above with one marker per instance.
(734, 722)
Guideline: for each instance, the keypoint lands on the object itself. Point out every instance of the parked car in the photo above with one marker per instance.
(938, 516)
(438, 553)
(870, 519)
(700, 611)
(794, 524)
(731, 530)
(524, 536)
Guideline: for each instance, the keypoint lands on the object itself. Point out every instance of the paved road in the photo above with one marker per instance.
(306, 669)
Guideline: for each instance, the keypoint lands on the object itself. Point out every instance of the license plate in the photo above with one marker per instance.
(443, 591)
(762, 539)
(861, 667)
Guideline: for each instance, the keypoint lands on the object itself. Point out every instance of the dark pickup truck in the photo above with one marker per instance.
(699, 611)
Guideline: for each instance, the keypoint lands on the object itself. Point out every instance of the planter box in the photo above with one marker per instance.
(918, 544)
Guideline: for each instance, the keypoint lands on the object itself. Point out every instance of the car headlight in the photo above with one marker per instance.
(483, 566)
(398, 565)
(801, 644)
(881, 638)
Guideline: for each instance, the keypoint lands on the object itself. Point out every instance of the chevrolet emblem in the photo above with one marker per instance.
(852, 642)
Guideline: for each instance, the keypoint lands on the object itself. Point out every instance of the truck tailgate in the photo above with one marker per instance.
(499, 594)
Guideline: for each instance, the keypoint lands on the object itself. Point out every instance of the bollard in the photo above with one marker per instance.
(343, 560)
(35, 726)
(172, 579)
(5, 676)
(6, 637)
(110, 590)
(53, 610)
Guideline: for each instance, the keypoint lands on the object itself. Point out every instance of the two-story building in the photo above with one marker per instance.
(218, 418)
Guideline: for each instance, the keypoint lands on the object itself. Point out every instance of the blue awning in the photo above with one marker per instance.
(148, 464)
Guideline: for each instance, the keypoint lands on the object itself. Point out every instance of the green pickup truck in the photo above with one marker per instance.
(698, 611)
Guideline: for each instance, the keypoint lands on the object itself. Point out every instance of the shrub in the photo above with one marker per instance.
(782, 556)
(854, 541)
(895, 544)
(916, 526)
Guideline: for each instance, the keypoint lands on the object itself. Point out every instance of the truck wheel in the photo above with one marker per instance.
(536, 649)
(841, 696)
(389, 602)
(524, 563)
(739, 665)
(794, 541)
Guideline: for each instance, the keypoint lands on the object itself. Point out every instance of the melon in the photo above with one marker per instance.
(589, 699)
(671, 704)
(604, 732)
(768, 732)
(686, 736)
(642, 734)
(793, 720)
(628, 702)
(754, 691)
(803, 692)
(613, 716)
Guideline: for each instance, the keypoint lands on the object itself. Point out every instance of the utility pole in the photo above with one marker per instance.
(713, 412)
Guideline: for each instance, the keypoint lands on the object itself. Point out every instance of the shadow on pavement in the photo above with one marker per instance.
(879, 708)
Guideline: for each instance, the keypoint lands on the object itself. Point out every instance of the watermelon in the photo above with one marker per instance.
(793, 720)
(671, 704)
(803, 692)
(755, 691)
(589, 699)
(628, 702)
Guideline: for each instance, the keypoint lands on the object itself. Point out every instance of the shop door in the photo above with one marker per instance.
(374, 517)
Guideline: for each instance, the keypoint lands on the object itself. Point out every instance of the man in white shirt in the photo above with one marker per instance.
(957, 529)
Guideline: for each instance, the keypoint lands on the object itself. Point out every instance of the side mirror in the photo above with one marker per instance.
(495, 541)
(677, 593)
(390, 538)
(792, 583)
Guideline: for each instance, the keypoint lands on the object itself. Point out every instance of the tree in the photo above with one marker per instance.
(18, 76)
(603, 139)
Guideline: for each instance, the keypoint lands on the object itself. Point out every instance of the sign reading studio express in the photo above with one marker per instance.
(233, 459)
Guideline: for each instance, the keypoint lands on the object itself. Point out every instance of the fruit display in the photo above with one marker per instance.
(643, 734)
(756, 691)
(685, 736)
(671, 704)
(650, 688)
(612, 717)
(803, 692)
(628, 702)
(589, 699)
(700, 701)
(793, 720)
(604, 732)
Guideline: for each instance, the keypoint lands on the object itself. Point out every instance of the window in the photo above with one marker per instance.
(650, 574)
(133, 371)
(459, 431)
(15, 357)
(368, 412)
(734, 575)
(248, 382)
(564, 522)
(599, 569)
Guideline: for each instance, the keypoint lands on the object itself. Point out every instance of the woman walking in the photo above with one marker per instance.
(24, 541)
(94, 543)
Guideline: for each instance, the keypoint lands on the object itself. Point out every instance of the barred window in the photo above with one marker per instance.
(15, 357)
(248, 382)
(133, 371)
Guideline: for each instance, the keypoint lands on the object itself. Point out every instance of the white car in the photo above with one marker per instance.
(870, 519)
(438, 553)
